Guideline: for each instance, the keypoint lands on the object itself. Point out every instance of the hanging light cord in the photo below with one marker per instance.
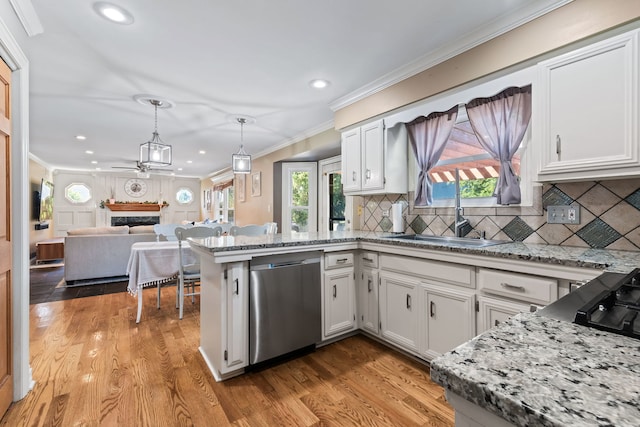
(242, 121)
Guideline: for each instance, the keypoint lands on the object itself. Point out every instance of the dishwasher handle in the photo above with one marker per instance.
(284, 264)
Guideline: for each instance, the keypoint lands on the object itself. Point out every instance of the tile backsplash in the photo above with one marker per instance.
(609, 216)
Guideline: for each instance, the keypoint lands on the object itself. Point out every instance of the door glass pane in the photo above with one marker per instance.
(336, 202)
(300, 188)
(299, 220)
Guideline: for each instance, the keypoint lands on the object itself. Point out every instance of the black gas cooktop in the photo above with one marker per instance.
(610, 302)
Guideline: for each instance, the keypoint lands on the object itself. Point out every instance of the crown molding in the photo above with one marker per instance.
(28, 17)
(495, 28)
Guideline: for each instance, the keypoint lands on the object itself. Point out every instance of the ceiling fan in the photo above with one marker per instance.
(142, 169)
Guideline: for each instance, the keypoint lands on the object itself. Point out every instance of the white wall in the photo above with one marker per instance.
(68, 215)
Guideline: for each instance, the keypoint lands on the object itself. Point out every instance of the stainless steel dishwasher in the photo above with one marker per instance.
(284, 304)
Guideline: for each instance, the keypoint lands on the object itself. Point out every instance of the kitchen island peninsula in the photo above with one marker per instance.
(451, 271)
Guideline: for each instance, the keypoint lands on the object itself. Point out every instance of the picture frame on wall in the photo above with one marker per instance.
(256, 184)
(240, 186)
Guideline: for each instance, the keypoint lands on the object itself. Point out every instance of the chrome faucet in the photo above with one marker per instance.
(460, 222)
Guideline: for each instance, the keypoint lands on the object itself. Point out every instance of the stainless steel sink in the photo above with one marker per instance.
(467, 242)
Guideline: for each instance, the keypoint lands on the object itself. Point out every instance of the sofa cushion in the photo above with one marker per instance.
(141, 229)
(123, 229)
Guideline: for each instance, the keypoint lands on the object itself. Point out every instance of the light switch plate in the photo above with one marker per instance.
(563, 214)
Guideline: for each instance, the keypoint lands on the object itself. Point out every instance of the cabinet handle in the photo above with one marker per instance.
(408, 301)
(513, 287)
(367, 259)
(432, 309)
(335, 291)
(342, 260)
(369, 285)
(237, 291)
(558, 145)
(367, 174)
(353, 176)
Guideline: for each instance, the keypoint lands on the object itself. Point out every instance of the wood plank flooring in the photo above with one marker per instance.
(93, 366)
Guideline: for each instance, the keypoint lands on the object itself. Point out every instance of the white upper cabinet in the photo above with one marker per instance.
(373, 163)
(586, 112)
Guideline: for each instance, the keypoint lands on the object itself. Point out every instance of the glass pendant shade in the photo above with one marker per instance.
(155, 153)
(241, 162)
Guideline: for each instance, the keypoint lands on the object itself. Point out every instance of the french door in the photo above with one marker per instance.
(299, 197)
(333, 203)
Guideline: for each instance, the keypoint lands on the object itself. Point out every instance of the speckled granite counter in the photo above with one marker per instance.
(616, 261)
(533, 370)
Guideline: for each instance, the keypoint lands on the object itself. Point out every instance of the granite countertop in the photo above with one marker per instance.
(534, 370)
(607, 260)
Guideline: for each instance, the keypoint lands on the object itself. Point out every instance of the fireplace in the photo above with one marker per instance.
(132, 221)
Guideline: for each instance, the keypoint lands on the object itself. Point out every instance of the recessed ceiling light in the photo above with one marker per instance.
(81, 137)
(113, 13)
(202, 152)
(319, 83)
(179, 169)
(98, 169)
(94, 162)
(189, 161)
(89, 152)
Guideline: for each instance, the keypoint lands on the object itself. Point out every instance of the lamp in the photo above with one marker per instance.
(155, 152)
(241, 161)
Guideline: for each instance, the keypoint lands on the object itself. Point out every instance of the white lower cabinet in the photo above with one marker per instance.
(493, 311)
(449, 319)
(339, 294)
(237, 297)
(399, 309)
(224, 328)
(368, 300)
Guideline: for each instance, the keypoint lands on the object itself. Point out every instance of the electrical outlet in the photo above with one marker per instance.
(563, 214)
(385, 212)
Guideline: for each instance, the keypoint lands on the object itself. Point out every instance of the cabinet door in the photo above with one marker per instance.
(450, 319)
(368, 307)
(236, 287)
(589, 114)
(351, 160)
(399, 310)
(372, 154)
(493, 311)
(339, 301)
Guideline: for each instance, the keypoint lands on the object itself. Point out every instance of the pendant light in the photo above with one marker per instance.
(241, 161)
(155, 152)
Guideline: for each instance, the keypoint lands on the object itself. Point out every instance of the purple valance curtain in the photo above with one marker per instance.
(500, 123)
(428, 137)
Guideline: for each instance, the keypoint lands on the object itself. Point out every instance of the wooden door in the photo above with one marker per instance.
(6, 368)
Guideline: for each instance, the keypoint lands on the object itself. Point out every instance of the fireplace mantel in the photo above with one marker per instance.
(134, 206)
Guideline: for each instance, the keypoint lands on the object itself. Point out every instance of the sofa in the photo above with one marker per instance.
(101, 252)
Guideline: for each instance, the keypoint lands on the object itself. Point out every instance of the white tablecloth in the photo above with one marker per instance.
(152, 263)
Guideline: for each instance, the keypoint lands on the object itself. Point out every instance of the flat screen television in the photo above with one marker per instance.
(46, 201)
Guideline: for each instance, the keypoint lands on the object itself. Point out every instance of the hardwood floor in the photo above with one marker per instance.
(93, 366)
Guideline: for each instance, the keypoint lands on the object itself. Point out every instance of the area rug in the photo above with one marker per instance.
(63, 283)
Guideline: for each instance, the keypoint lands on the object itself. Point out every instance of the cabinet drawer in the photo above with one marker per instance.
(368, 259)
(338, 259)
(532, 289)
(444, 272)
